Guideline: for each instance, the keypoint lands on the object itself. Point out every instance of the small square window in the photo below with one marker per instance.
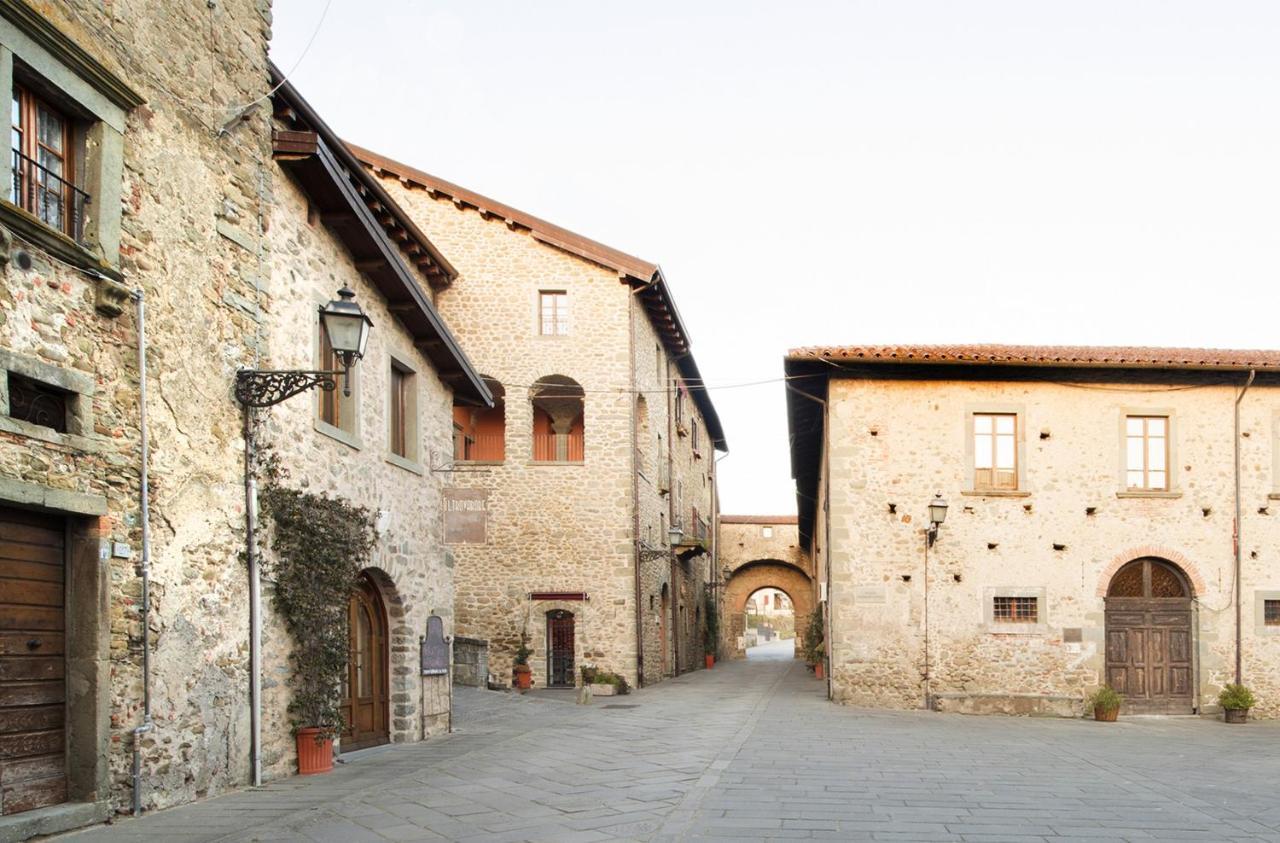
(38, 403)
(553, 312)
(1016, 610)
(766, 532)
(1271, 612)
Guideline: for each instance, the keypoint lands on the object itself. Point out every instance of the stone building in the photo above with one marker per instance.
(602, 441)
(1092, 500)
(761, 552)
(143, 173)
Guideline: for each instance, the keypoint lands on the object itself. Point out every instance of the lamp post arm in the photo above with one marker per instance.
(266, 388)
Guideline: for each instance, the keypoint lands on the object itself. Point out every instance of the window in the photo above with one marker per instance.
(693, 436)
(336, 412)
(553, 312)
(766, 532)
(1016, 610)
(43, 164)
(679, 406)
(995, 450)
(558, 434)
(330, 399)
(37, 403)
(479, 433)
(1146, 452)
(1271, 612)
(401, 381)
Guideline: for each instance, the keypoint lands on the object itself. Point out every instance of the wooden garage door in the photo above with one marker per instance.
(32, 690)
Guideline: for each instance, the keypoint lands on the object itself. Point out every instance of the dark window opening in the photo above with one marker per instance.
(1271, 612)
(37, 403)
(1017, 609)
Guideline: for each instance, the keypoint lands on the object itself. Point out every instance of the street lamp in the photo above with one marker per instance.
(937, 514)
(346, 327)
(675, 535)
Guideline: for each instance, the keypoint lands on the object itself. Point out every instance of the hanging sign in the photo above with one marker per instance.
(466, 515)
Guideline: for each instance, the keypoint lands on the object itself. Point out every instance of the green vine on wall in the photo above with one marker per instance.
(320, 545)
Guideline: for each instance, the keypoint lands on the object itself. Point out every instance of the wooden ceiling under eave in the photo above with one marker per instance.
(664, 319)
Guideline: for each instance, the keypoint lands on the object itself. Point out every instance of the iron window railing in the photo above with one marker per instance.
(55, 201)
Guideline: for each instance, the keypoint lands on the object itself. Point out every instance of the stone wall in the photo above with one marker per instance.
(757, 561)
(182, 184)
(470, 661)
(895, 443)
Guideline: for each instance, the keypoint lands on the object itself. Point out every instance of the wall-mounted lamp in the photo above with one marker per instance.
(937, 514)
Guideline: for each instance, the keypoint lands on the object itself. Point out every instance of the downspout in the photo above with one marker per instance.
(144, 568)
(1236, 597)
(635, 497)
(255, 601)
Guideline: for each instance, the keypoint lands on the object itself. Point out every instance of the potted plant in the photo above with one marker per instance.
(606, 684)
(710, 633)
(1106, 704)
(819, 664)
(320, 546)
(815, 649)
(521, 673)
(1236, 700)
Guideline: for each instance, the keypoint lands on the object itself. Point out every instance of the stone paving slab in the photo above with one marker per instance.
(752, 751)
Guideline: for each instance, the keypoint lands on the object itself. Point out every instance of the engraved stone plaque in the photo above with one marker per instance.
(868, 594)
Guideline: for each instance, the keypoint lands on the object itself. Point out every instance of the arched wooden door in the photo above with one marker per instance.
(364, 698)
(1149, 648)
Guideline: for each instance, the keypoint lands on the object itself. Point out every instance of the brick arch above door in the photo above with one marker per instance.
(1188, 567)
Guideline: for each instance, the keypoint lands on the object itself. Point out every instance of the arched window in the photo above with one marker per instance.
(479, 433)
(557, 419)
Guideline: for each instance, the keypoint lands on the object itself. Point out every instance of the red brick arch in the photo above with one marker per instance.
(1188, 567)
(764, 573)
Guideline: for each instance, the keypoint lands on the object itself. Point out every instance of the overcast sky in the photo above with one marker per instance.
(850, 172)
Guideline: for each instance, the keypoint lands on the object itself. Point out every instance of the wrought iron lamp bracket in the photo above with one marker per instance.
(266, 388)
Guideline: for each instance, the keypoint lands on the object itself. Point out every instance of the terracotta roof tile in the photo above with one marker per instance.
(1123, 357)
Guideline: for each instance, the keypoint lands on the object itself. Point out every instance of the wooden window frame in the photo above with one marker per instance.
(1146, 439)
(398, 386)
(995, 436)
(30, 147)
(555, 321)
(330, 399)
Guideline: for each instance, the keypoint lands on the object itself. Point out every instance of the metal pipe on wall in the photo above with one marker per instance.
(144, 567)
(1238, 532)
(255, 601)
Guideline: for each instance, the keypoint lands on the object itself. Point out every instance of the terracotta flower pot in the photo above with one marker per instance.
(819, 671)
(315, 751)
(711, 661)
(523, 676)
(1235, 715)
(1105, 715)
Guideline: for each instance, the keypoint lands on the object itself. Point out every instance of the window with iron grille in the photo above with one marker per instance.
(37, 403)
(44, 164)
(1016, 610)
(1271, 612)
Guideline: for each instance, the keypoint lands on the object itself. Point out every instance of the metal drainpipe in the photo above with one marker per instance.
(144, 568)
(1236, 597)
(255, 601)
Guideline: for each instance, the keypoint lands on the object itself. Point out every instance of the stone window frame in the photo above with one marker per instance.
(350, 404)
(566, 323)
(79, 387)
(991, 625)
(1260, 599)
(412, 460)
(1122, 463)
(37, 54)
(1020, 434)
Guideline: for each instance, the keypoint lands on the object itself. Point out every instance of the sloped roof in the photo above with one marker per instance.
(1124, 357)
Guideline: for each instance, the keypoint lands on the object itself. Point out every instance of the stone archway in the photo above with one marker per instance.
(1150, 652)
(750, 578)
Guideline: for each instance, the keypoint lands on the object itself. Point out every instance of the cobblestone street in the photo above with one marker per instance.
(748, 751)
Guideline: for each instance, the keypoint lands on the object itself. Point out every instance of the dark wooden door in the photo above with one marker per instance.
(1149, 658)
(560, 649)
(365, 697)
(32, 668)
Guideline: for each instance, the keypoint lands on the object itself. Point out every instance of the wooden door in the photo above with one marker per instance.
(32, 666)
(365, 707)
(560, 649)
(662, 631)
(1149, 657)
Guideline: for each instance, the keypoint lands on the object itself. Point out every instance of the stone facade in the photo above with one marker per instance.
(216, 239)
(893, 440)
(762, 551)
(578, 527)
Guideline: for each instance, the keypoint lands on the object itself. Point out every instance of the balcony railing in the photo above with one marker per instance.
(484, 447)
(699, 528)
(557, 447)
(55, 201)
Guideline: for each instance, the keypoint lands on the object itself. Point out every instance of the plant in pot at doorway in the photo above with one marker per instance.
(521, 673)
(1236, 700)
(320, 546)
(1105, 703)
(710, 633)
